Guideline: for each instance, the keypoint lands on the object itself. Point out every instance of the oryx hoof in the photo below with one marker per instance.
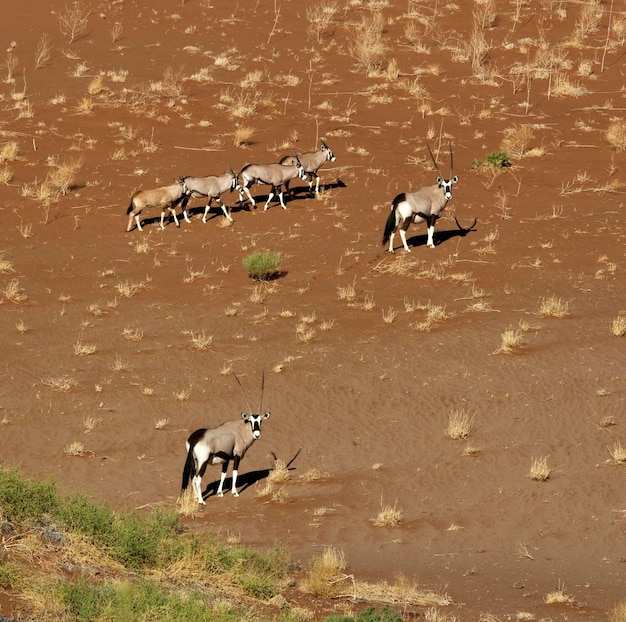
(204, 220)
(220, 493)
(235, 493)
(202, 502)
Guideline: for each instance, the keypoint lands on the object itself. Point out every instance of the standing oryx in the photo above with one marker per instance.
(275, 175)
(220, 445)
(311, 162)
(164, 197)
(425, 204)
(212, 187)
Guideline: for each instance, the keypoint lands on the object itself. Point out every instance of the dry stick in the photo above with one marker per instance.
(608, 33)
(276, 16)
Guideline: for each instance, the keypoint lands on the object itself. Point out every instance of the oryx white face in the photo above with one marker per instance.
(329, 154)
(255, 423)
(446, 186)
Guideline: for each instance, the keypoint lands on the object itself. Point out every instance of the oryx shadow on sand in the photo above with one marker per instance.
(442, 236)
(245, 480)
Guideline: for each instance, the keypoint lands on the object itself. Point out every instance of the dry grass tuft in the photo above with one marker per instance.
(187, 503)
(279, 475)
(539, 469)
(618, 326)
(367, 46)
(75, 448)
(559, 597)
(618, 453)
(62, 384)
(460, 424)
(553, 307)
(13, 292)
(388, 516)
(516, 140)
(618, 613)
(326, 576)
(615, 134)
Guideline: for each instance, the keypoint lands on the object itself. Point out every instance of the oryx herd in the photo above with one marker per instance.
(230, 440)
(305, 166)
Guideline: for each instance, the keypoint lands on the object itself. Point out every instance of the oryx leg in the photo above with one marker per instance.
(269, 198)
(403, 230)
(430, 223)
(235, 471)
(221, 204)
(280, 197)
(207, 208)
(196, 483)
(220, 488)
(247, 191)
(317, 183)
(184, 207)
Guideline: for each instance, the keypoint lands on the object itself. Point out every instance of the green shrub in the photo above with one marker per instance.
(21, 498)
(138, 542)
(77, 513)
(263, 265)
(498, 159)
(370, 614)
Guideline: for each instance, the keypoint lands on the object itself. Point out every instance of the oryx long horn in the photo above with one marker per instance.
(243, 391)
(432, 157)
(230, 168)
(451, 163)
(323, 143)
(262, 391)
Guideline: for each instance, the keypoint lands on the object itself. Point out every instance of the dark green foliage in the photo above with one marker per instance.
(80, 514)
(137, 541)
(21, 499)
(386, 614)
(495, 159)
(144, 600)
(263, 265)
(498, 159)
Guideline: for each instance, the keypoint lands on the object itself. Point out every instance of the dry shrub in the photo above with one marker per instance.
(320, 17)
(63, 176)
(618, 453)
(388, 516)
(73, 21)
(367, 45)
(9, 151)
(588, 20)
(278, 476)
(553, 307)
(539, 469)
(517, 139)
(559, 597)
(485, 13)
(326, 575)
(460, 424)
(618, 613)
(615, 134)
(618, 326)
(562, 86)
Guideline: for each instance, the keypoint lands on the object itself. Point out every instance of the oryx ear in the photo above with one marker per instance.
(266, 416)
(439, 180)
(245, 416)
(455, 179)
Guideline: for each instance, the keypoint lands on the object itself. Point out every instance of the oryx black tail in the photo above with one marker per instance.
(391, 223)
(188, 469)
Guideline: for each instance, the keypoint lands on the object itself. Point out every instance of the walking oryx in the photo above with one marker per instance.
(220, 445)
(311, 162)
(275, 175)
(212, 187)
(425, 204)
(164, 197)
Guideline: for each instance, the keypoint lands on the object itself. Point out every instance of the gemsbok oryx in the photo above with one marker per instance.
(275, 175)
(311, 162)
(425, 204)
(165, 197)
(212, 187)
(220, 445)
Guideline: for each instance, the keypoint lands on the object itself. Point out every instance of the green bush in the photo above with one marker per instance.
(370, 614)
(263, 265)
(498, 159)
(21, 499)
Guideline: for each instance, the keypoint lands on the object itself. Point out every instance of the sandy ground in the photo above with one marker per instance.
(359, 388)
